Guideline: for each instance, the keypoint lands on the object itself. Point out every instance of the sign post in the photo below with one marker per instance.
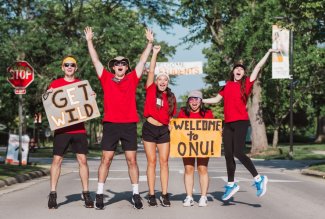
(21, 76)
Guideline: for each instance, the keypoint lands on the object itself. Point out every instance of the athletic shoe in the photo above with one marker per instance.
(164, 199)
(261, 186)
(137, 202)
(152, 200)
(89, 203)
(99, 205)
(188, 202)
(203, 201)
(52, 201)
(230, 191)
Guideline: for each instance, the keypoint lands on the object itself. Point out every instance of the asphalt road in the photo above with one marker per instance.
(289, 195)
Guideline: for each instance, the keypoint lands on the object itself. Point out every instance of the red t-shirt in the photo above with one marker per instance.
(150, 105)
(234, 105)
(72, 129)
(120, 97)
(197, 115)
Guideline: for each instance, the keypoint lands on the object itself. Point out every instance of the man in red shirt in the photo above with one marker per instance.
(63, 137)
(120, 113)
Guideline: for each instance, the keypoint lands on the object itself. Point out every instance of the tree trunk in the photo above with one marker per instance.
(275, 140)
(259, 139)
(320, 135)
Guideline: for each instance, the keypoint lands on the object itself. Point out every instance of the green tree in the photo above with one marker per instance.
(42, 32)
(241, 30)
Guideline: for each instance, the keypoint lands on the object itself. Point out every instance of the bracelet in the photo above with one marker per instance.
(149, 41)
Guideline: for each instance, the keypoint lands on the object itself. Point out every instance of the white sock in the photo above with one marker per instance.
(257, 178)
(231, 184)
(135, 188)
(100, 188)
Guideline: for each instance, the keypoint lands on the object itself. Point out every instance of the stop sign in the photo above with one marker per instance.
(21, 74)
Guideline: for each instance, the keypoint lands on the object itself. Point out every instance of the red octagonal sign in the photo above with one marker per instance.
(21, 74)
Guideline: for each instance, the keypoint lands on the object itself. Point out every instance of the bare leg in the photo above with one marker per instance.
(163, 150)
(131, 158)
(55, 171)
(103, 169)
(83, 171)
(189, 175)
(202, 167)
(150, 149)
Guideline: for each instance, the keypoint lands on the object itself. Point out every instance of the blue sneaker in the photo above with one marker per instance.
(230, 191)
(261, 186)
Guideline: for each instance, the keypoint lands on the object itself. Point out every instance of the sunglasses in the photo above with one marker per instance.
(194, 99)
(69, 65)
(118, 63)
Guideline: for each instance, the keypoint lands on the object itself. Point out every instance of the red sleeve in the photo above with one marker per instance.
(151, 86)
(222, 91)
(181, 114)
(209, 115)
(249, 85)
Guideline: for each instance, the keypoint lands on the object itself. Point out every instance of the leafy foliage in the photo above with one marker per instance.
(43, 32)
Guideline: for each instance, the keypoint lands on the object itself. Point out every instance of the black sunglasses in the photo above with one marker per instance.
(69, 65)
(118, 63)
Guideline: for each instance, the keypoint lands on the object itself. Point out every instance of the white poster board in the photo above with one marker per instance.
(280, 60)
(70, 104)
(13, 150)
(178, 68)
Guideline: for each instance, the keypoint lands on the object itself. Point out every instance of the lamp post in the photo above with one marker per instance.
(291, 95)
(292, 84)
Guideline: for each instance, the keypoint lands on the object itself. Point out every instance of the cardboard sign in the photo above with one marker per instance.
(70, 104)
(13, 150)
(195, 137)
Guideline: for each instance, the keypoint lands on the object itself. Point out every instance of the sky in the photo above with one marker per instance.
(184, 83)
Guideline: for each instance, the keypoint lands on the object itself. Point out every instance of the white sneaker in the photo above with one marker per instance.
(203, 201)
(188, 202)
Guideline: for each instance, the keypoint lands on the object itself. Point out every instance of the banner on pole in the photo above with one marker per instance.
(195, 137)
(280, 60)
(178, 68)
(70, 104)
(13, 150)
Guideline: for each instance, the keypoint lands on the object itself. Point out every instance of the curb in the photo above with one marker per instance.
(24, 177)
(315, 173)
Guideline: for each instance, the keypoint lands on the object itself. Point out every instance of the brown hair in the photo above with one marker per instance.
(170, 98)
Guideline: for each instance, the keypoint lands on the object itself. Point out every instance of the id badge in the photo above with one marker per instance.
(159, 102)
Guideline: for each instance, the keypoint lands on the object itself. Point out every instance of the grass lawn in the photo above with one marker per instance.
(13, 170)
(318, 167)
(300, 152)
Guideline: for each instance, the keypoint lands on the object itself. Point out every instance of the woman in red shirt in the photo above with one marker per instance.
(195, 109)
(160, 106)
(235, 94)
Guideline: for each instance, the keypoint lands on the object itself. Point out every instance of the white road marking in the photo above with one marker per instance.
(239, 179)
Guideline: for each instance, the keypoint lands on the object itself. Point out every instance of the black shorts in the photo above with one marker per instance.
(115, 132)
(78, 142)
(157, 134)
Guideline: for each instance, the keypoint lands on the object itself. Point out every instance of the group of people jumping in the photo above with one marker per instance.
(119, 85)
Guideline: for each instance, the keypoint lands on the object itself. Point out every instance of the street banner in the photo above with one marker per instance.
(195, 137)
(70, 104)
(178, 68)
(13, 150)
(280, 60)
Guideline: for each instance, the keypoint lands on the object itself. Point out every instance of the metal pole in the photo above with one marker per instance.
(291, 95)
(20, 111)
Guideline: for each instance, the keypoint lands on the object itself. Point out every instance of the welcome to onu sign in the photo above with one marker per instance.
(195, 137)
(70, 104)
